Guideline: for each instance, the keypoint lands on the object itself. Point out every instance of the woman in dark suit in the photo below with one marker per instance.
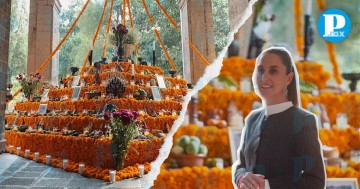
(279, 147)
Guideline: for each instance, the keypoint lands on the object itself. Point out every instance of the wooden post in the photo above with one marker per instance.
(236, 8)
(44, 37)
(5, 12)
(197, 27)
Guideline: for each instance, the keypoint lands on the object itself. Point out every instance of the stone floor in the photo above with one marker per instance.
(19, 173)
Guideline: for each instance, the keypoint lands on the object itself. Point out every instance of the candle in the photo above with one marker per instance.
(174, 113)
(308, 7)
(132, 69)
(18, 149)
(141, 170)
(112, 175)
(27, 152)
(153, 45)
(48, 158)
(177, 86)
(81, 168)
(147, 84)
(65, 161)
(11, 148)
(36, 156)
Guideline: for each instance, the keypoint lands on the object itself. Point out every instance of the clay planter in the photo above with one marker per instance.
(128, 50)
(189, 160)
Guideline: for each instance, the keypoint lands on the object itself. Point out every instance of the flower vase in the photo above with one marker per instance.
(120, 51)
(119, 161)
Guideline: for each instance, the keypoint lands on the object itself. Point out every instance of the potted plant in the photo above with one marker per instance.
(124, 128)
(120, 31)
(30, 84)
(130, 39)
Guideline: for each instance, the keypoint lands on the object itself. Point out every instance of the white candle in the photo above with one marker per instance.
(177, 86)
(27, 152)
(132, 69)
(11, 148)
(18, 149)
(65, 161)
(112, 175)
(48, 159)
(153, 45)
(174, 113)
(147, 84)
(308, 7)
(141, 170)
(81, 168)
(36, 156)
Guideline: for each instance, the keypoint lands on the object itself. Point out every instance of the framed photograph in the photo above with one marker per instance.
(234, 137)
(76, 93)
(75, 82)
(44, 95)
(15, 120)
(161, 81)
(156, 93)
(42, 109)
(342, 183)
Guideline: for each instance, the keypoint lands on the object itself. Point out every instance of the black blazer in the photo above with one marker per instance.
(287, 152)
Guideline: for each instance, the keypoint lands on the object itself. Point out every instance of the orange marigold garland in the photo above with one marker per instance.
(164, 48)
(130, 14)
(332, 56)
(167, 15)
(108, 28)
(202, 58)
(299, 39)
(151, 20)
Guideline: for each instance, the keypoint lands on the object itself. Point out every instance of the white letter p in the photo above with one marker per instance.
(329, 23)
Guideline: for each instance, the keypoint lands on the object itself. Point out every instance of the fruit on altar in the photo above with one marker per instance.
(195, 139)
(221, 123)
(183, 140)
(212, 122)
(177, 150)
(203, 149)
(192, 148)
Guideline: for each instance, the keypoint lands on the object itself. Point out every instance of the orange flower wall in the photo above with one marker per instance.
(348, 103)
(87, 150)
(195, 177)
(78, 123)
(58, 93)
(237, 68)
(95, 104)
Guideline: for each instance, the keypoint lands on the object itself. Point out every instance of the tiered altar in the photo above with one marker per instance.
(75, 129)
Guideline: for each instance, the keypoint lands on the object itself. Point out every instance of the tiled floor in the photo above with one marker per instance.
(20, 173)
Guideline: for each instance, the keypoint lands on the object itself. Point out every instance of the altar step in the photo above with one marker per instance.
(20, 173)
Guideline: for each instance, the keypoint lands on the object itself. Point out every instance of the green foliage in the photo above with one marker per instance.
(18, 44)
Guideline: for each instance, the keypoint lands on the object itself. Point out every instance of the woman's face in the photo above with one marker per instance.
(272, 79)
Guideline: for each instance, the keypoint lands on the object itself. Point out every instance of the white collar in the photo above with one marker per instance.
(277, 108)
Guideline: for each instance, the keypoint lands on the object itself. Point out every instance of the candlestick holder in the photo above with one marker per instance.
(353, 78)
(308, 37)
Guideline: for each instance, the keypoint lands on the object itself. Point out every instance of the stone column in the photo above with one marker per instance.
(236, 8)
(197, 27)
(44, 37)
(5, 11)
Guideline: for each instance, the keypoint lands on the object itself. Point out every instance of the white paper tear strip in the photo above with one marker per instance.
(211, 72)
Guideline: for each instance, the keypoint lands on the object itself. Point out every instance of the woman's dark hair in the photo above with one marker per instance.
(287, 61)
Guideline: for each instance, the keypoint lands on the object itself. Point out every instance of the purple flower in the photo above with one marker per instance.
(135, 114)
(121, 29)
(126, 117)
(38, 75)
(116, 114)
(107, 116)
